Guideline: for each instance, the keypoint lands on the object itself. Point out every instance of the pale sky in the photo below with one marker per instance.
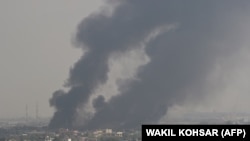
(36, 51)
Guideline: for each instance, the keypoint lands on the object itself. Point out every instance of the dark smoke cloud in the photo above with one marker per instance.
(180, 59)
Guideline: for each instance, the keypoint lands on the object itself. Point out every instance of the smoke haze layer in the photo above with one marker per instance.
(182, 39)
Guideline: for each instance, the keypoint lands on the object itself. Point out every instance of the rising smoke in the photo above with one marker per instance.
(180, 41)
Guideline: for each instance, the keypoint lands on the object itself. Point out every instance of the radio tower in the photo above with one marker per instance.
(37, 110)
(26, 111)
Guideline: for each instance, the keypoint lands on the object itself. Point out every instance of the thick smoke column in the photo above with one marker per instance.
(179, 59)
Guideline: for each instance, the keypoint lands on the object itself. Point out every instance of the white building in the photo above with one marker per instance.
(119, 134)
(98, 133)
(108, 131)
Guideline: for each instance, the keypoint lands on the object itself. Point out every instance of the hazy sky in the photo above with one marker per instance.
(36, 51)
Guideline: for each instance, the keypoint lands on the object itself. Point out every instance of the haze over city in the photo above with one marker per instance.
(112, 63)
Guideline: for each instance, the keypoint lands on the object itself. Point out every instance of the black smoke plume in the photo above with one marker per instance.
(179, 59)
